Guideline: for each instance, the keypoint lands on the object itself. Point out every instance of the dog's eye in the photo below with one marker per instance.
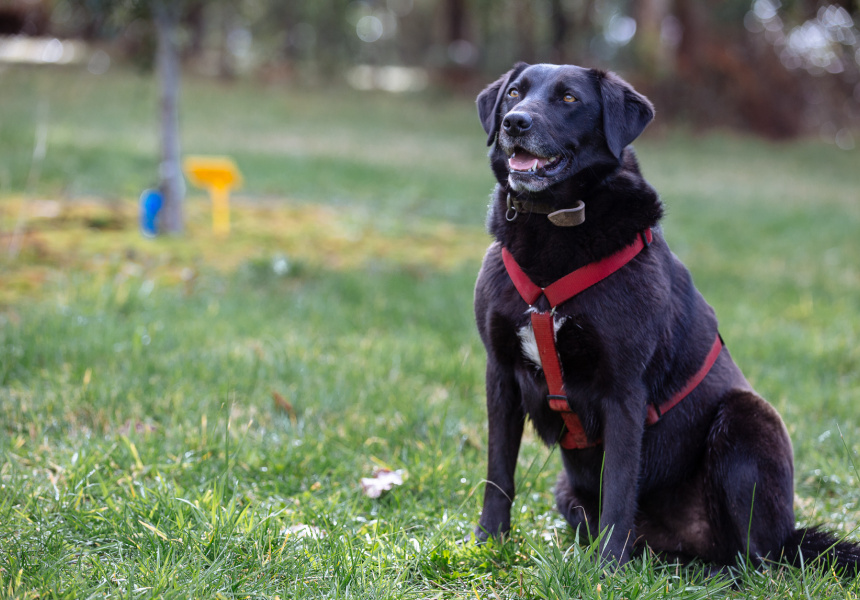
(514, 93)
(569, 98)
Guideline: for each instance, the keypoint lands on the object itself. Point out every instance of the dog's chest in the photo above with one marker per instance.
(528, 342)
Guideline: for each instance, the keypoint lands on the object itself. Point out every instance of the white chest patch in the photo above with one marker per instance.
(528, 344)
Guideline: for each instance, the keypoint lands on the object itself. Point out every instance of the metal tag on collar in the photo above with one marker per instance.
(644, 235)
(511, 214)
(569, 217)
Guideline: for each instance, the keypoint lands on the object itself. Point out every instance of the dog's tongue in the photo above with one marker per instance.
(523, 161)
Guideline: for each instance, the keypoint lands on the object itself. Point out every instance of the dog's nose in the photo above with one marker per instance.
(517, 123)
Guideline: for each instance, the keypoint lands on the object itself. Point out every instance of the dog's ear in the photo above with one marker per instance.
(491, 98)
(626, 112)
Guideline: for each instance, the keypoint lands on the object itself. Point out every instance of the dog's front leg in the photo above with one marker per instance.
(622, 438)
(505, 418)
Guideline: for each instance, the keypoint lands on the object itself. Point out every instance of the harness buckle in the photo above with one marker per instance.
(558, 403)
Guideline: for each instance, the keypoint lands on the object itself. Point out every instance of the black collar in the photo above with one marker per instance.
(566, 217)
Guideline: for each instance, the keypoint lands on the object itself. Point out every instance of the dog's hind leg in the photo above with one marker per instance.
(749, 480)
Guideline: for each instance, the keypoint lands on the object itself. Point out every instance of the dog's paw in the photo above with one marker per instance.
(477, 537)
(614, 555)
(481, 535)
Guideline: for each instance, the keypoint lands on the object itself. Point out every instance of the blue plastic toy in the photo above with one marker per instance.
(150, 204)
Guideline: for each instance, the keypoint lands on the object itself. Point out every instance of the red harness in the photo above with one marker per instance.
(559, 292)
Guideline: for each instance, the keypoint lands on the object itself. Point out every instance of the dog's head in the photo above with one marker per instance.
(551, 123)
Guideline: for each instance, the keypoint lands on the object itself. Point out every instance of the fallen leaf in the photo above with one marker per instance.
(285, 405)
(137, 427)
(303, 531)
(381, 481)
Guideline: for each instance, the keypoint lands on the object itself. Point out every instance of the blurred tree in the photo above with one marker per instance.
(726, 78)
(559, 34)
(651, 56)
(456, 13)
(165, 15)
(20, 17)
(524, 17)
(775, 67)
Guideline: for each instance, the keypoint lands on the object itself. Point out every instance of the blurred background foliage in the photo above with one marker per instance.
(779, 68)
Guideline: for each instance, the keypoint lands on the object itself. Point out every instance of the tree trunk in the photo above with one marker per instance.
(456, 13)
(456, 74)
(226, 69)
(559, 27)
(524, 27)
(652, 57)
(172, 185)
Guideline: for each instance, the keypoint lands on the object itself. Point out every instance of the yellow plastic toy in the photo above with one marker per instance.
(218, 175)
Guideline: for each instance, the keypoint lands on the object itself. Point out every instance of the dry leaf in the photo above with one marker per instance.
(131, 426)
(284, 405)
(303, 531)
(382, 481)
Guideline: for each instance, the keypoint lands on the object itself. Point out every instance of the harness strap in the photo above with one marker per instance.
(576, 281)
(655, 412)
(543, 326)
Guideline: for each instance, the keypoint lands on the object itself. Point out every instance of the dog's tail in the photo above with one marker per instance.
(817, 546)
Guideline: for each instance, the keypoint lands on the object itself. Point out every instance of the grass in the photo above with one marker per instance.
(191, 417)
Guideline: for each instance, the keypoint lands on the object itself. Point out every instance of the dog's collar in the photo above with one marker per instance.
(566, 217)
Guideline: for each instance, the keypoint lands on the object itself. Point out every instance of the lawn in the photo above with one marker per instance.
(191, 417)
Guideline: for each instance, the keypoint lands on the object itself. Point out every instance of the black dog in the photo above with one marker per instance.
(598, 368)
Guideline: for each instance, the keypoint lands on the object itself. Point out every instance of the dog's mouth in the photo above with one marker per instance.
(524, 162)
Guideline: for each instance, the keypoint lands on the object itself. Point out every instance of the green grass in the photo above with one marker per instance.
(173, 411)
